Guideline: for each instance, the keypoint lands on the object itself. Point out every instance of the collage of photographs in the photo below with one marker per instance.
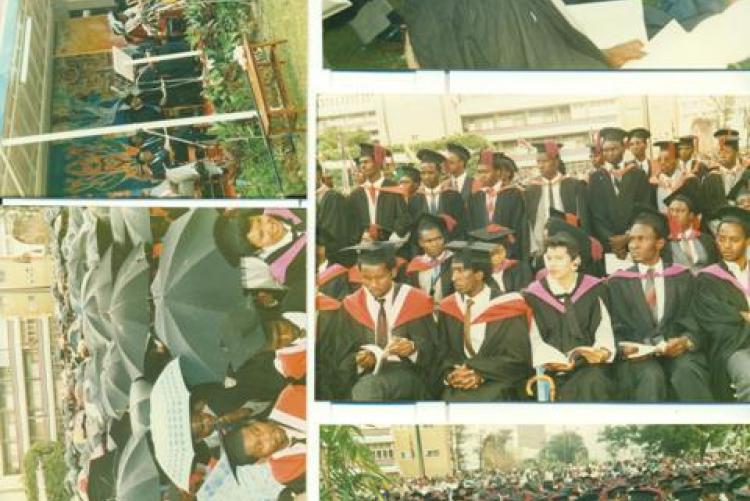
(515, 232)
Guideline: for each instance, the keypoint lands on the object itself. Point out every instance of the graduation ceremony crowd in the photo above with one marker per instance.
(715, 477)
(627, 284)
(181, 161)
(182, 338)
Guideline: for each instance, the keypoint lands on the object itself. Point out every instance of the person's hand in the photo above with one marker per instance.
(365, 360)
(619, 244)
(366, 237)
(401, 347)
(745, 315)
(463, 378)
(559, 367)
(677, 346)
(592, 355)
(618, 55)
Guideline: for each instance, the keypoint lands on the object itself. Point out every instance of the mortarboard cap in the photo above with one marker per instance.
(411, 173)
(687, 494)
(430, 157)
(493, 233)
(640, 133)
(475, 255)
(726, 133)
(557, 225)
(377, 252)
(712, 484)
(612, 134)
(459, 151)
(428, 220)
(652, 217)
(728, 137)
(733, 214)
(688, 193)
(667, 145)
(686, 142)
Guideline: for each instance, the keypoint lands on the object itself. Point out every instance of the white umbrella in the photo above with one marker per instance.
(253, 482)
(170, 425)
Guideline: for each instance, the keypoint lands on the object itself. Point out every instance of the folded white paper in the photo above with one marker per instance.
(612, 23)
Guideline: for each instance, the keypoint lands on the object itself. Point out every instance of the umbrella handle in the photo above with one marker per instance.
(541, 378)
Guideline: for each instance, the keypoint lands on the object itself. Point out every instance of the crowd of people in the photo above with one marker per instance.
(182, 339)
(181, 161)
(717, 476)
(628, 285)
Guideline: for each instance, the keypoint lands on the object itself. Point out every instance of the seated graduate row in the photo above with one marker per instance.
(454, 325)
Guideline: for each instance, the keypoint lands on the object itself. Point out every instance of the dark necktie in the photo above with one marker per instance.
(381, 330)
(467, 328)
(650, 291)
(551, 196)
(433, 204)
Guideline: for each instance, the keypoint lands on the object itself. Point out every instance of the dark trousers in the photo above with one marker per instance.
(685, 379)
(490, 391)
(395, 381)
(588, 383)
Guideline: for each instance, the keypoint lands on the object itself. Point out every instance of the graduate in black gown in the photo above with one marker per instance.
(438, 199)
(484, 334)
(722, 308)
(430, 270)
(327, 314)
(377, 204)
(553, 190)
(496, 34)
(689, 244)
(688, 163)
(384, 344)
(591, 251)
(498, 202)
(661, 347)
(332, 218)
(455, 162)
(572, 336)
(613, 191)
(507, 275)
(724, 174)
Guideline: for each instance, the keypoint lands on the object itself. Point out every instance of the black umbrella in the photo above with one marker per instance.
(96, 293)
(115, 384)
(130, 310)
(137, 474)
(101, 479)
(131, 225)
(98, 236)
(196, 295)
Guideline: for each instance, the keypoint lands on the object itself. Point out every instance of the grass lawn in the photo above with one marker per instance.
(287, 20)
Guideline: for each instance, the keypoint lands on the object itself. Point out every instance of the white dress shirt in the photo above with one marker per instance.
(671, 183)
(427, 277)
(433, 197)
(498, 276)
(604, 337)
(372, 202)
(542, 211)
(458, 181)
(478, 331)
(393, 304)
(659, 286)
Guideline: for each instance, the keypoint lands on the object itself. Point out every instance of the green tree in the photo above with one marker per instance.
(348, 468)
(332, 141)
(565, 447)
(664, 440)
(50, 455)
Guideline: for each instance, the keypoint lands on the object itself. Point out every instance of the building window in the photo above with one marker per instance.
(433, 453)
(406, 455)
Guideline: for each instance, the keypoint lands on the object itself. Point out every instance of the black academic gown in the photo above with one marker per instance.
(572, 195)
(450, 203)
(510, 212)
(716, 307)
(712, 194)
(516, 276)
(333, 220)
(334, 282)
(568, 323)
(658, 379)
(396, 381)
(504, 358)
(611, 213)
(328, 316)
(705, 248)
(445, 281)
(391, 212)
(496, 34)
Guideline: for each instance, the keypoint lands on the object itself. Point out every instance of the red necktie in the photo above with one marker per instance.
(381, 330)
(651, 295)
